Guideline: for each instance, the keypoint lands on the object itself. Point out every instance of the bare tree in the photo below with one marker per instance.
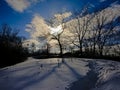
(11, 46)
(80, 27)
(104, 27)
(58, 22)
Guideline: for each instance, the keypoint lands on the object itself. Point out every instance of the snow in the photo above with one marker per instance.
(108, 74)
(30, 75)
(59, 74)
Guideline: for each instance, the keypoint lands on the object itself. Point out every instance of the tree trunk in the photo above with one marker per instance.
(60, 47)
(94, 49)
(101, 50)
(48, 49)
(81, 52)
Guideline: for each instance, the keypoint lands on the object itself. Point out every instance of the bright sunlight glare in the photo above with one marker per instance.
(55, 30)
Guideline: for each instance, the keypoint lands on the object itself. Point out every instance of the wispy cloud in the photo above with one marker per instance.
(21, 5)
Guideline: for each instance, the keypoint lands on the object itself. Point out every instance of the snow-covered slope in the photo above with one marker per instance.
(108, 75)
(59, 74)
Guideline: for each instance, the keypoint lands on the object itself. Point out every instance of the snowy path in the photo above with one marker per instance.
(87, 82)
(53, 74)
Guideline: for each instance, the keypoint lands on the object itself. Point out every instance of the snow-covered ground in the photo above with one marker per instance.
(60, 74)
(108, 75)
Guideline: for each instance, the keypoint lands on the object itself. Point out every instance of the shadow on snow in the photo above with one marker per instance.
(87, 82)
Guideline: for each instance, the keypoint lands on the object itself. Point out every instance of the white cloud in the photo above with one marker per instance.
(21, 5)
(63, 15)
(18, 5)
(37, 27)
(59, 17)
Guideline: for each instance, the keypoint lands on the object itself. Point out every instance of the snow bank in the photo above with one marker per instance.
(108, 75)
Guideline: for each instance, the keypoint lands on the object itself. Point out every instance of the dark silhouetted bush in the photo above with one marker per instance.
(11, 50)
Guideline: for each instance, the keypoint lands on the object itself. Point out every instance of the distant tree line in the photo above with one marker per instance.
(11, 49)
(97, 34)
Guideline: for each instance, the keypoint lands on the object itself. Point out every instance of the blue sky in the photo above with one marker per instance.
(18, 13)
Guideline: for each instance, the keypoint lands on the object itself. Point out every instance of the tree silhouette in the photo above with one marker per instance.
(11, 49)
(58, 21)
(79, 27)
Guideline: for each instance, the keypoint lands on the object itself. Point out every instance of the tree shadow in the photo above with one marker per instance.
(34, 78)
(25, 81)
(87, 82)
(45, 76)
(74, 72)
